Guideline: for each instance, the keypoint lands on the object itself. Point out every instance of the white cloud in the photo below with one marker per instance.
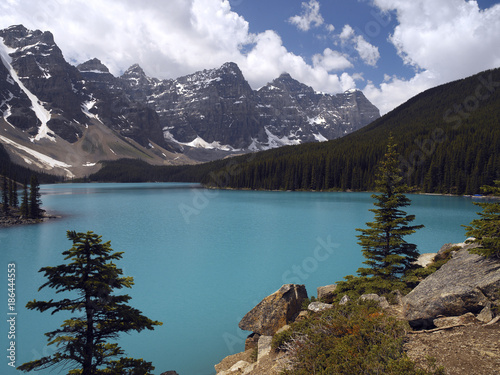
(452, 38)
(310, 16)
(172, 38)
(367, 52)
(331, 60)
(395, 91)
(444, 40)
(347, 33)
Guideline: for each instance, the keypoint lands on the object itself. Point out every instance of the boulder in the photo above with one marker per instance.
(486, 315)
(468, 318)
(425, 259)
(252, 341)
(466, 283)
(228, 362)
(326, 293)
(264, 347)
(375, 297)
(344, 300)
(319, 306)
(239, 368)
(275, 311)
(169, 373)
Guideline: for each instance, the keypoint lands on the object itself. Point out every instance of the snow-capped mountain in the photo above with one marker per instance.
(84, 114)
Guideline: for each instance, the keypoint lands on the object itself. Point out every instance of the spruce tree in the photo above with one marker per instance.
(13, 198)
(35, 202)
(91, 278)
(5, 197)
(25, 202)
(388, 255)
(486, 230)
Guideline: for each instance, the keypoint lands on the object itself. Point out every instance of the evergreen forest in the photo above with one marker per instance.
(448, 139)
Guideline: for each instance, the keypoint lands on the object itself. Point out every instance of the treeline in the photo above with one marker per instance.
(30, 204)
(22, 174)
(448, 138)
(134, 170)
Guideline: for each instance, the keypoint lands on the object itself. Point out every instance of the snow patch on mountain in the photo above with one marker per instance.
(41, 158)
(41, 113)
(199, 142)
(320, 138)
(274, 141)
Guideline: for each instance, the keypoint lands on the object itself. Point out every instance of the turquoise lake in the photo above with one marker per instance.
(200, 258)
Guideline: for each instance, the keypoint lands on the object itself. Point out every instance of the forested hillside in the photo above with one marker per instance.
(21, 174)
(448, 138)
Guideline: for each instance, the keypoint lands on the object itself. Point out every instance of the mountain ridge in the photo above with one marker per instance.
(448, 138)
(202, 116)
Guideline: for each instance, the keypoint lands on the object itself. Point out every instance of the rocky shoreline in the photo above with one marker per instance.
(14, 220)
(453, 315)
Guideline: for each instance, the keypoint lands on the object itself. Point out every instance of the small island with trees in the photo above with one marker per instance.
(27, 209)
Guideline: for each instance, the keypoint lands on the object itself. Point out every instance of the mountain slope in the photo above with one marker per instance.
(448, 138)
(49, 109)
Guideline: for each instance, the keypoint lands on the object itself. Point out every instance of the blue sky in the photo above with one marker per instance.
(389, 49)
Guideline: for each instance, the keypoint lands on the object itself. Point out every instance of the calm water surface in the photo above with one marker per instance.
(201, 258)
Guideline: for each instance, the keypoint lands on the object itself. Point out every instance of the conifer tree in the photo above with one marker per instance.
(13, 198)
(388, 255)
(5, 197)
(91, 278)
(486, 230)
(25, 202)
(35, 202)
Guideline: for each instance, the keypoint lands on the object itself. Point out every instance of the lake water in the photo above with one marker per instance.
(201, 258)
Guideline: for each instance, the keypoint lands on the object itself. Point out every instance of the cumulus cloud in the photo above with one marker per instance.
(173, 38)
(368, 53)
(443, 40)
(331, 60)
(309, 16)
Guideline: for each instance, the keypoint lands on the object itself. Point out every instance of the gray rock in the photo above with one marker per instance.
(466, 283)
(425, 259)
(169, 373)
(264, 347)
(319, 306)
(486, 315)
(275, 311)
(344, 300)
(468, 318)
(252, 341)
(375, 297)
(326, 292)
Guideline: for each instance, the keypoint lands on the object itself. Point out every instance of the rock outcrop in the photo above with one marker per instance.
(275, 311)
(326, 293)
(319, 306)
(466, 283)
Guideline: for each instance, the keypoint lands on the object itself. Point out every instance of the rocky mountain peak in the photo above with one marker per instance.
(291, 85)
(134, 71)
(20, 37)
(204, 114)
(93, 65)
(231, 68)
(136, 77)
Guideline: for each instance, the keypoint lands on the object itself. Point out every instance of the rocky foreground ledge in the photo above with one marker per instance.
(452, 313)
